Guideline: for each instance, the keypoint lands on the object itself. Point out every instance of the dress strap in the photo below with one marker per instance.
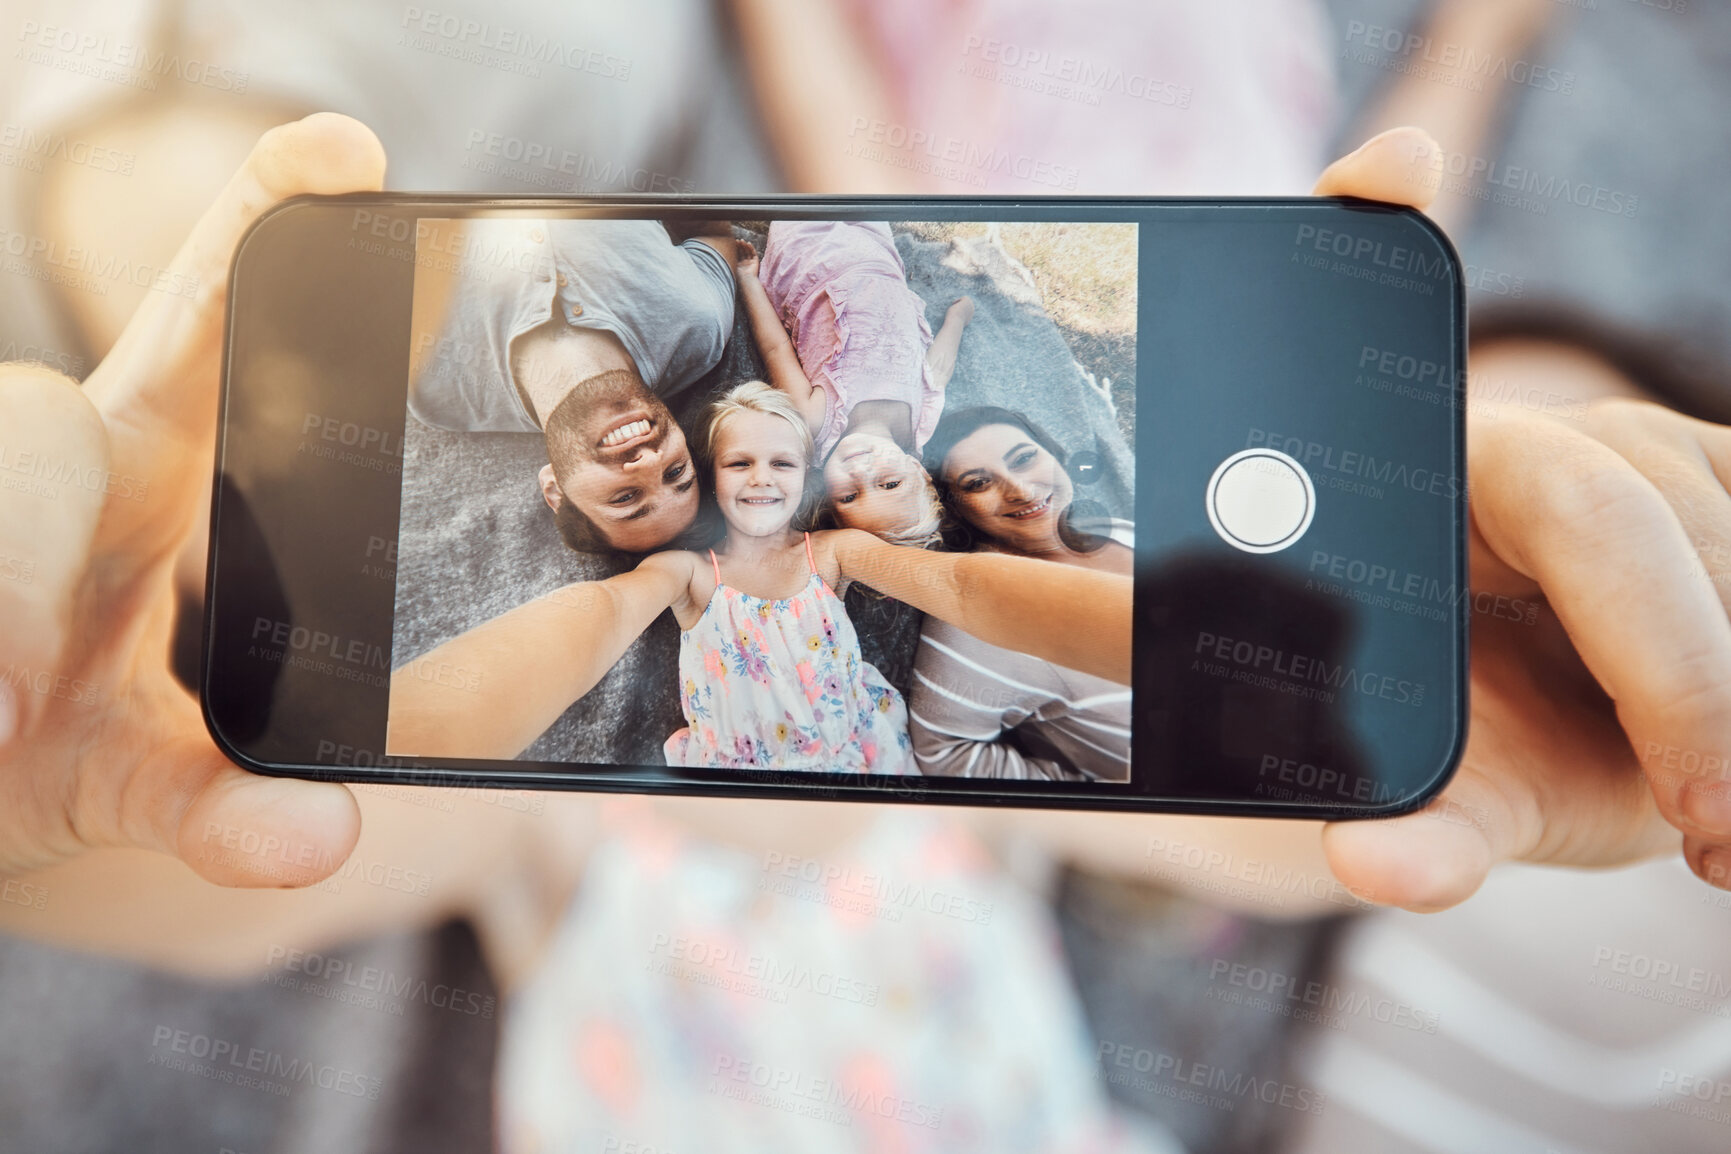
(716, 565)
(808, 558)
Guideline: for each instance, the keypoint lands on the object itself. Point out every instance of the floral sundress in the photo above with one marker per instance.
(780, 684)
(913, 999)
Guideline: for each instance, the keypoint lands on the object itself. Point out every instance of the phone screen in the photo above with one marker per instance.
(606, 365)
(440, 411)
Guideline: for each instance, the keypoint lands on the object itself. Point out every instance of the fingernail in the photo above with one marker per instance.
(1716, 868)
(1707, 805)
(8, 713)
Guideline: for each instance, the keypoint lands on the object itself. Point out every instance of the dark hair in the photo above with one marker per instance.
(959, 534)
(959, 425)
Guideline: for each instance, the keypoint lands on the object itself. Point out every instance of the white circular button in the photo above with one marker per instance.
(1260, 500)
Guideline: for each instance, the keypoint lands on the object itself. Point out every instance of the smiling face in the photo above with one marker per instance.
(621, 458)
(760, 464)
(873, 484)
(1009, 488)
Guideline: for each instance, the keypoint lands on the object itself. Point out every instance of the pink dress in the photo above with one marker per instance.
(1104, 97)
(780, 684)
(860, 331)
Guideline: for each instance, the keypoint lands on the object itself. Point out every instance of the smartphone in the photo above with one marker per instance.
(456, 434)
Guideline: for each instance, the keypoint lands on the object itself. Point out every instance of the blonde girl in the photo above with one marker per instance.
(771, 675)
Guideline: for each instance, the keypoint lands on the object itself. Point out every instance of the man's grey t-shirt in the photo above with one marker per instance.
(670, 305)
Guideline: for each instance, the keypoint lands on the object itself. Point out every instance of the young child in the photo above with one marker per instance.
(862, 366)
(770, 670)
(771, 674)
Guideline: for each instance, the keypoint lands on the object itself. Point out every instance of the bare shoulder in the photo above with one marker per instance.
(681, 569)
(672, 563)
(827, 548)
(690, 582)
(861, 556)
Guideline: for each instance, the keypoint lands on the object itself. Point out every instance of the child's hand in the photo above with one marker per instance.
(744, 259)
(941, 354)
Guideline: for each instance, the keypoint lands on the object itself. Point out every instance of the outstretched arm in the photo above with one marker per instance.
(493, 690)
(941, 356)
(819, 86)
(1074, 617)
(780, 359)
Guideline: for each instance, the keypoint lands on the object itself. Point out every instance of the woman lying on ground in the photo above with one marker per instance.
(978, 709)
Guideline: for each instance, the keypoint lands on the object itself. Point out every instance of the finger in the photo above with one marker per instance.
(1439, 856)
(1579, 800)
(1648, 624)
(1398, 166)
(1689, 461)
(236, 828)
(53, 476)
(1711, 863)
(157, 387)
(1421, 862)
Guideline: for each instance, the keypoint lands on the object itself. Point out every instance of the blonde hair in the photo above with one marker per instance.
(759, 397)
(928, 531)
(925, 533)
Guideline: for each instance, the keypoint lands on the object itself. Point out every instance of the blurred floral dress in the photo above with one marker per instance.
(901, 996)
(781, 684)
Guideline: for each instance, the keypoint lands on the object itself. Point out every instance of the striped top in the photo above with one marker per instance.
(976, 710)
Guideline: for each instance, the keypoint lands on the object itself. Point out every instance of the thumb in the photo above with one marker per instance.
(244, 829)
(1589, 813)
(157, 387)
(1424, 861)
(1400, 166)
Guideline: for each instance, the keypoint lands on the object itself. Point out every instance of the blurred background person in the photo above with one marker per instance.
(1530, 1033)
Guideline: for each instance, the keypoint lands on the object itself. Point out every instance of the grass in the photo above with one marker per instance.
(1086, 276)
(1086, 273)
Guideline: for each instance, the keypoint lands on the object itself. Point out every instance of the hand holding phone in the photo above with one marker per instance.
(99, 745)
(156, 766)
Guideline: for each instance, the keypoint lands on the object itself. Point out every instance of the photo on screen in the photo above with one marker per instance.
(588, 393)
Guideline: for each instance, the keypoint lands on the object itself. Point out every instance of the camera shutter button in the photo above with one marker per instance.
(1260, 500)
